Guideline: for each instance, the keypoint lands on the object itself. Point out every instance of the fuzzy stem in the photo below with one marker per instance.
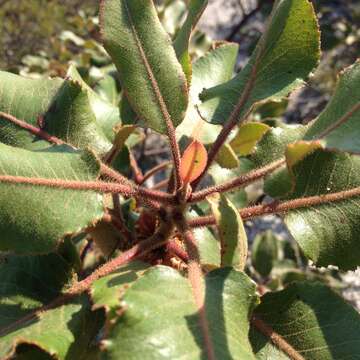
(32, 129)
(59, 301)
(158, 239)
(196, 279)
(240, 181)
(174, 248)
(99, 186)
(281, 207)
(138, 176)
(276, 339)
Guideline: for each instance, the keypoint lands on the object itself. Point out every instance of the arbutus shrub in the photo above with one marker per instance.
(96, 264)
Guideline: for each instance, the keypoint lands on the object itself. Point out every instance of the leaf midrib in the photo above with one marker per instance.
(154, 84)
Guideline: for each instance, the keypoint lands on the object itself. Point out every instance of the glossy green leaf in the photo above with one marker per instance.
(181, 42)
(35, 219)
(338, 125)
(27, 283)
(286, 54)
(265, 251)
(150, 73)
(60, 107)
(212, 69)
(160, 319)
(329, 233)
(231, 232)
(313, 319)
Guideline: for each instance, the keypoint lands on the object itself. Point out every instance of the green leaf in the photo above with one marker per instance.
(207, 243)
(284, 57)
(181, 42)
(227, 158)
(231, 231)
(265, 251)
(35, 219)
(273, 144)
(108, 291)
(150, 74)
(247, 137)
(160, 319)
(328, 233)
(63, 106)
(220, 175)
(214, 68)
(27, 283)
(60, 331)
(103, 104)
(338, 124)
(107, 90)
(313, 319)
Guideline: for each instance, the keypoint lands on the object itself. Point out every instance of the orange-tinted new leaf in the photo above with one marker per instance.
(193, 162)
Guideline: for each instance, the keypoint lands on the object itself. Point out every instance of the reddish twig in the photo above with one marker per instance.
(240, 181)
(174, 248)
(138, 175)
(276, 338)
(139, 250)
(99, 186)
(281, 207)
(33, 129)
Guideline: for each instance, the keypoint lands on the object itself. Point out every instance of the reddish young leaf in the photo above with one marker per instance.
(193, 162)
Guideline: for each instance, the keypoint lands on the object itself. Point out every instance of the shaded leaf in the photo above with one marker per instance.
(286, 54)
(313, 319)
(150, 74)
(231, 231)
(27, 283)
(108, 291)
(171, 330)
(104, 107)
(60, 331)
(265, 251)
(328, 234)
(181, 42)
(207, 242)
(36, 219)
(193, 162)
(62, 105)
(338, 124)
